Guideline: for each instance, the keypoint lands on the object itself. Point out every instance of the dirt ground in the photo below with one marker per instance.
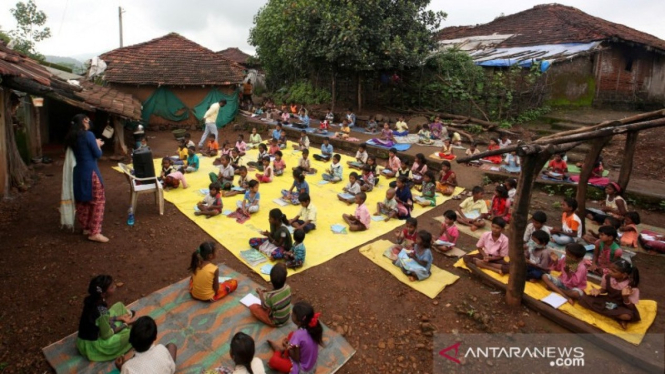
(44, 272)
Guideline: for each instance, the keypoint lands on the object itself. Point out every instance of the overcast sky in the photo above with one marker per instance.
(90, 27)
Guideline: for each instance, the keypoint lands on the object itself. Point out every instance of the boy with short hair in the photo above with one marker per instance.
(475, 207)
(306, 219)
(361, 158)
(388, 207)
(538, 220)
(326, 151)
(303, 142)
(335, 173)
(211, 147)
(492, 248)
(275, 307)
(148, 358)
(537, 256)
(360, 220)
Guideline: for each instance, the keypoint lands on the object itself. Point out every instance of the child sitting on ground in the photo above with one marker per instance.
(437, 131)
(428, 197)
(361, 158)
(258, 165)
(572, 281)
(537, 256)
(538, 220)
(225, 149)
(250, 204)
(275, 307)
(225, 175)
(326, 151)
(277, 132)
(388, 207)
(344, 132)
(334, 174)
(298, 352)
(618, 294)
(406, 238)
(404, 198)
(254, 139)
(401, 127)
(241, 146)
(504, 141)
(422, 255)
(274, 147)
(278, 164)
(591, 236)
(204, 284)
(170, 177)
(473, 210)
(392, 165)
(306, 219)
(303, 142)
(447, 179)
(282, 140)
(512, 163)
(367, 180)
(492, 249)
(493, 146)
(296, 257)
(557, 168)
(418, 169)
(472, 151)
(449, 233)
(182, 152)
(571, 228)
(352, 188)
(629, 229)
(242, 351)
(299, 186)
(159, 358)
(303, 163)
(511, 186)
(243, 183)
(324, 125)
(372, 125)
(192, 160)
(446, 152)
(267, 175)
(212, 202)
(424, 136)
(606, 250)
(211, 147)
(361, 218)
(403, 171)
(500, 206)
(277, 240)
(235, 160)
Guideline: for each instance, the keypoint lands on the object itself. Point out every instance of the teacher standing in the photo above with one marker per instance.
(210, 119)
(87, 182)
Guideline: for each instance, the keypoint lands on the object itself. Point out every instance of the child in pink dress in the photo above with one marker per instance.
(449, 232)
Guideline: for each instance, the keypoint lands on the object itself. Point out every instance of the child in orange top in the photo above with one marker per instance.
(629, 229)
(557, 168)
(211, 147)
(204, 284)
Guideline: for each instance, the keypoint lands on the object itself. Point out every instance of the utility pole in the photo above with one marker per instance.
(120, 12)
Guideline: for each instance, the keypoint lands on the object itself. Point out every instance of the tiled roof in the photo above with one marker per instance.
(553, 24)
(234, 54)
(169, 60)
(110, 100)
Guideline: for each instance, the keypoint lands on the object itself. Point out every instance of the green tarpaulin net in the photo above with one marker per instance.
(226, 114)
(165, 104)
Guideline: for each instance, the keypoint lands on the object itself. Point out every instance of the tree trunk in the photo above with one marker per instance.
(627, 164)
(334, 93)
(360, 97)
(4, 163)
(531, 166)
(591, 157)
(18, 171)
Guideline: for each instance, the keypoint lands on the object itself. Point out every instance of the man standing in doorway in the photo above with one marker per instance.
(210, 119)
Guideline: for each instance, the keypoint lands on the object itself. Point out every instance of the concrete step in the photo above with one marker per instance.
(566, 126)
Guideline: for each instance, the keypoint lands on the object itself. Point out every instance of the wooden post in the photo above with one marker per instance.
(119, 141)
(532, 164)
(589, 161)
(334, 93)
(4, 164)
(627, 164)
(360, 95)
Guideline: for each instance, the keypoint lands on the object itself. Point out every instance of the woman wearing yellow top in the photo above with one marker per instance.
(204, 284)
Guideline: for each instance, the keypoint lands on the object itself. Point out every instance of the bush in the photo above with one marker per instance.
(303, 93)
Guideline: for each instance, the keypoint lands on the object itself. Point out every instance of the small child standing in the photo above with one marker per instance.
(360, 220)
(618, 294)
(492, 249)
(250, 204)
(422, 255)
(352, 188)
(299, 351)
(204, 284)
(212, 202)
(334, 174)
(388, 207)
(572, 281)
(449, 232)
(296, 257)
(537, 256)
(275, 307)
(306, 219)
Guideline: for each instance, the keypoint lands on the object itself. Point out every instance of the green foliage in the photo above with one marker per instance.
(29, 29)
(294, 38)
(532, 114)
(475, 129)
(302, 92)
(486, 180)
(556, 205)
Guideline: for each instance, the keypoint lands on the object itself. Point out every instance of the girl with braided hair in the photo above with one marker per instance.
(299, 351)
(204, 284)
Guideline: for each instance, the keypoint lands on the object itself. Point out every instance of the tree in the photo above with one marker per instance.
(297, 37)
(29, 28)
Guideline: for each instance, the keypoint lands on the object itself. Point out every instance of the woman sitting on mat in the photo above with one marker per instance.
(494, 145)
(204, 284)
(614, 205)
(299, 351)
(103, 332)
(447, 180)
(277, 240)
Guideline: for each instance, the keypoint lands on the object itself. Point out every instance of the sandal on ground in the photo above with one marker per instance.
(98, 238)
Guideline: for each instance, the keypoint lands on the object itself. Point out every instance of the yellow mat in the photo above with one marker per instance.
(467, 229)
(321, 244)
(431, 286)
(633, 334)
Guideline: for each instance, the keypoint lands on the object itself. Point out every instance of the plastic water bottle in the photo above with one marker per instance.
(130, 217)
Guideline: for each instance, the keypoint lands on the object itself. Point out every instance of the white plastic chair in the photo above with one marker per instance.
(146, 185)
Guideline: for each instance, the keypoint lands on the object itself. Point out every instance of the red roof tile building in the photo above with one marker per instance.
(187, 69)
(593, 60)
(236, 55)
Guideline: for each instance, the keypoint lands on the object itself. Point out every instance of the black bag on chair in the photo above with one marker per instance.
(143, 164)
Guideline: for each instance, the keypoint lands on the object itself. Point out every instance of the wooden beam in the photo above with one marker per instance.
(532, 164)
(4, 162)
(627, 163)
(585, 173)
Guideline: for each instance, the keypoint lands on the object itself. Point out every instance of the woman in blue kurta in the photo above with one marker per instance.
(87, 181)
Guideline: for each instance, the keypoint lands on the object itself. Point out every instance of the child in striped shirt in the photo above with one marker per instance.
(275, 307)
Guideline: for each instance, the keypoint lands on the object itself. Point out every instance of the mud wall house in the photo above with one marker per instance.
(20, 76)
(171, 76)
(587, 60)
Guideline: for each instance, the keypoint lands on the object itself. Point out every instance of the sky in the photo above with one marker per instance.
(83, 28)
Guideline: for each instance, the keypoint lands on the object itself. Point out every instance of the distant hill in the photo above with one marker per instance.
(74, 64)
